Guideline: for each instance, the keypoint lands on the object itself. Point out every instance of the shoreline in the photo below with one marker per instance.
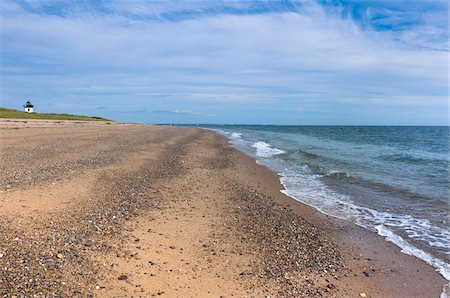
(369, 252)
(263, 154)
(179, 208)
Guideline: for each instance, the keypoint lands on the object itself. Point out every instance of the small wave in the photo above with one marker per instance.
(388, 189)
(407, 158)
(337, 174)
(236, 135)
(266, 150)
(309, 154)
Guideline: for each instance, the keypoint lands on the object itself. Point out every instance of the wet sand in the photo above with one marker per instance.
(127, 210)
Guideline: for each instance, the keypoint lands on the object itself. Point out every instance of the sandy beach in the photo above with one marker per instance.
(126, 210)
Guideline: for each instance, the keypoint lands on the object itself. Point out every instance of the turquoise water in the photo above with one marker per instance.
(391, 180)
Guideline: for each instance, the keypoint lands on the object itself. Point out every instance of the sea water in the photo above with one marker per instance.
(391, 180)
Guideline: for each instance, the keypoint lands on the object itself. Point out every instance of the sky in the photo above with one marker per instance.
(308, 62)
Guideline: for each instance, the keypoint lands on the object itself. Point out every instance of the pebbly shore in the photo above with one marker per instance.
(141, 211)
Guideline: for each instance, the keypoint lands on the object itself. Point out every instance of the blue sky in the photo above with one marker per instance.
(250, 62)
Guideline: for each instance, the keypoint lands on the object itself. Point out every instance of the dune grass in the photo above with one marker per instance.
(15, 114)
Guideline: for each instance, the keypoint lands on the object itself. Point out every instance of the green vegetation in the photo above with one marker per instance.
(14, 114)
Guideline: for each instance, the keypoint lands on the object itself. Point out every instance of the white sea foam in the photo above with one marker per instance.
(338, 174)
(445, 291)
(266, 150)
(310, 190)
(442, 267)
(236, 135)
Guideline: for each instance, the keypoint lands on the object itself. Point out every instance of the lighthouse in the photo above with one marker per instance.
(28, 107)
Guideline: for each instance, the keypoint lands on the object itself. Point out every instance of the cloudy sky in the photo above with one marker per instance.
(262, 62)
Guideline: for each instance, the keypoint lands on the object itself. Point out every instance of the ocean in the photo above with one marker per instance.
(391, 180)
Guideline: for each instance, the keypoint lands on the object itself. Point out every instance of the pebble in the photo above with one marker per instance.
(122, 277)
(363, 295)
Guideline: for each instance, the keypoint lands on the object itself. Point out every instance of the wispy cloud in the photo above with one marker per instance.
(210, 57)
(177, 112)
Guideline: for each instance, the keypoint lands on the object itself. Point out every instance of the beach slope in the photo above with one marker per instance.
(121, 210)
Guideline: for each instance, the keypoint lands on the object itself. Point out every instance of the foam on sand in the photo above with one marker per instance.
(442, 267)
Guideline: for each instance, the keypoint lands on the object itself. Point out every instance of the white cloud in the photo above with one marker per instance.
(267, 58)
